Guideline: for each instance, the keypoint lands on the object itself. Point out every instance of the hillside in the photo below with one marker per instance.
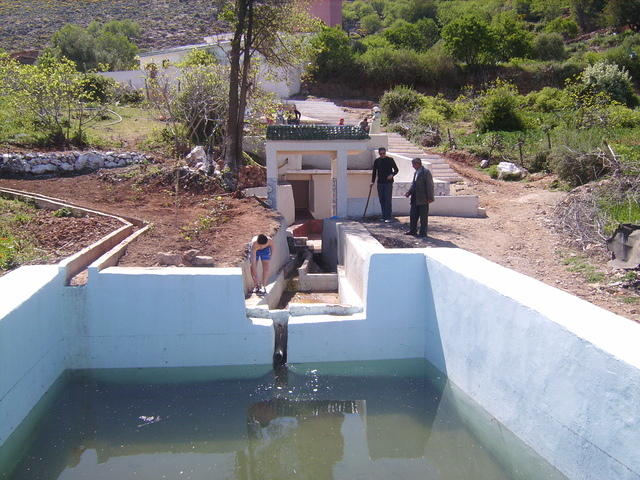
(28, 24)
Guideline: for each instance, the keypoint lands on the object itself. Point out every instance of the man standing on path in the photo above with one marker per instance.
(422, 194)
(385, 169)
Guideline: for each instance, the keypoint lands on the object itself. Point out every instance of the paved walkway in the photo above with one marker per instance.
(325, 112)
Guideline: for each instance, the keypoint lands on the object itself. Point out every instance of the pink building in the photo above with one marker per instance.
(329, 11)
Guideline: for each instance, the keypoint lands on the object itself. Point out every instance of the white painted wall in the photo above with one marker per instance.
(33, 340)
(561, 373)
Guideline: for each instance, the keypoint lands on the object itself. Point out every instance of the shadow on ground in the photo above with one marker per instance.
(392, 235)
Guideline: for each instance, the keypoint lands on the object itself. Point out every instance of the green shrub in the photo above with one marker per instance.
(539, 162)
(566, 27)
(430, 117)
(385, 67)
(63, 213)
(493, 171)
(610, 80)
(549, 46)
(331, 55)
(439, 105)
(471, 40)
(576, 167)
(549, 99)
(417, 36)
(439, 69)
(398, 101)
(500, 110)
(370, 23)
(623, 117)
(98, 88)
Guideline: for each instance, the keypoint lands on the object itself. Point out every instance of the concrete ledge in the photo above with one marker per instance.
(302, 309)
(79, 261)
(111, 258)
(316, 282)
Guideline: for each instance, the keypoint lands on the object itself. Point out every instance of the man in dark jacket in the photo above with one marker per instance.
(422, 194)
(384, 168)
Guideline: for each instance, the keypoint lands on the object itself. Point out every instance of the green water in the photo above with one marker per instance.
(351, 421)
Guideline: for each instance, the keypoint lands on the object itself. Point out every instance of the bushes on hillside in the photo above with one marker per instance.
(549, 46)
(332, 56)
(610, 80)
(389, 66)
(471, 40)
(106, 46)
(566, 27)
(399, 101)
(500, 110)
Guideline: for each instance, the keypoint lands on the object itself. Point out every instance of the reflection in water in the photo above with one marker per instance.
(369, 420)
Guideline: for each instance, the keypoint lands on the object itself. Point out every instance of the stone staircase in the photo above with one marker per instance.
(321, 111)
(439, 166)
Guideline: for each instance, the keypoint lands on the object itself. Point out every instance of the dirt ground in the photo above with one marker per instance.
(517, 234)
(213, 223)
(57, 238)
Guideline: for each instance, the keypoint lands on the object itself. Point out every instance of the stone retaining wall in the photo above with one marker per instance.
(63, 162)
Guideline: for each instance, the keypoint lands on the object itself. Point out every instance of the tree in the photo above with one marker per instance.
(513, 38)
(331, 54)
(587, 13)
(421, 35)
(470, 40)
(567, 27)
(621, 13)
(106, 45)
(53, 94)
(610, 80)
(260, 27)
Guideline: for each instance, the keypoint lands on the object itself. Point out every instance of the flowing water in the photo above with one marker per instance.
(351, 421)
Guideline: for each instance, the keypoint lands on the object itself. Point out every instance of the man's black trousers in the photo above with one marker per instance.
(420, 212)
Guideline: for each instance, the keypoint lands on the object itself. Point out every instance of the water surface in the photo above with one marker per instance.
(351, 421)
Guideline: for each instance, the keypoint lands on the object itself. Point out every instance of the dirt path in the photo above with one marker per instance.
(517, 234)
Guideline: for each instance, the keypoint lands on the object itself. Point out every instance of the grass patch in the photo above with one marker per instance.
(137, 125)
(16, 247)
(580, 264)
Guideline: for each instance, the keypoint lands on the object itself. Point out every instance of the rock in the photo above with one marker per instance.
(45, 168)
(169, 258)
(203, 261)
(197, 155)
(190, 255)
(484, 164)
(509, 171)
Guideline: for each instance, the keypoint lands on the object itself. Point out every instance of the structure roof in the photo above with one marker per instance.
(316, 132)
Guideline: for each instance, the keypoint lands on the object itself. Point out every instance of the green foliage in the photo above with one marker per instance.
(549, 99)
(370, 23)
(610, 80)
(513, 38)
(549, 46)
(99, 46)
(98, 88)
(390, 66)
(16, 246)
(332, 56)
(581, 264)
(198, 57)
(417, 36)
(623, 117)
(621, 13)
(399, 101)
(471, 40)
(52, 95)
(63, 213)
(566, 27)
(587, 13)
(499, 109)
(492, 171)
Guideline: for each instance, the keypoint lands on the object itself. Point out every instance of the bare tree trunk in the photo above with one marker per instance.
(230, 143)
(244, 83)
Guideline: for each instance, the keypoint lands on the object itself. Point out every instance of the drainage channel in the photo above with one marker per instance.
(305, 287)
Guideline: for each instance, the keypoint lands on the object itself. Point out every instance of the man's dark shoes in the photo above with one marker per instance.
(422, 235)
(410, 233)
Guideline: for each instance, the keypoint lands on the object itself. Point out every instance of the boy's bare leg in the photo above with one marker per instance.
(265, 273)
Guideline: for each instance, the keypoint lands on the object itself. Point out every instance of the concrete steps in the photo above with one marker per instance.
(439, 166)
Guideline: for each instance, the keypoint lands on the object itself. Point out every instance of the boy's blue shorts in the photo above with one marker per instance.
(263, 254)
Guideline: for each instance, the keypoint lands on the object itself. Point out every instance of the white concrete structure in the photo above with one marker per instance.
(332, 177)
(560, 373)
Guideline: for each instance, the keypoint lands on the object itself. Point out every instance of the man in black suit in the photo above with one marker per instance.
(422, 194)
